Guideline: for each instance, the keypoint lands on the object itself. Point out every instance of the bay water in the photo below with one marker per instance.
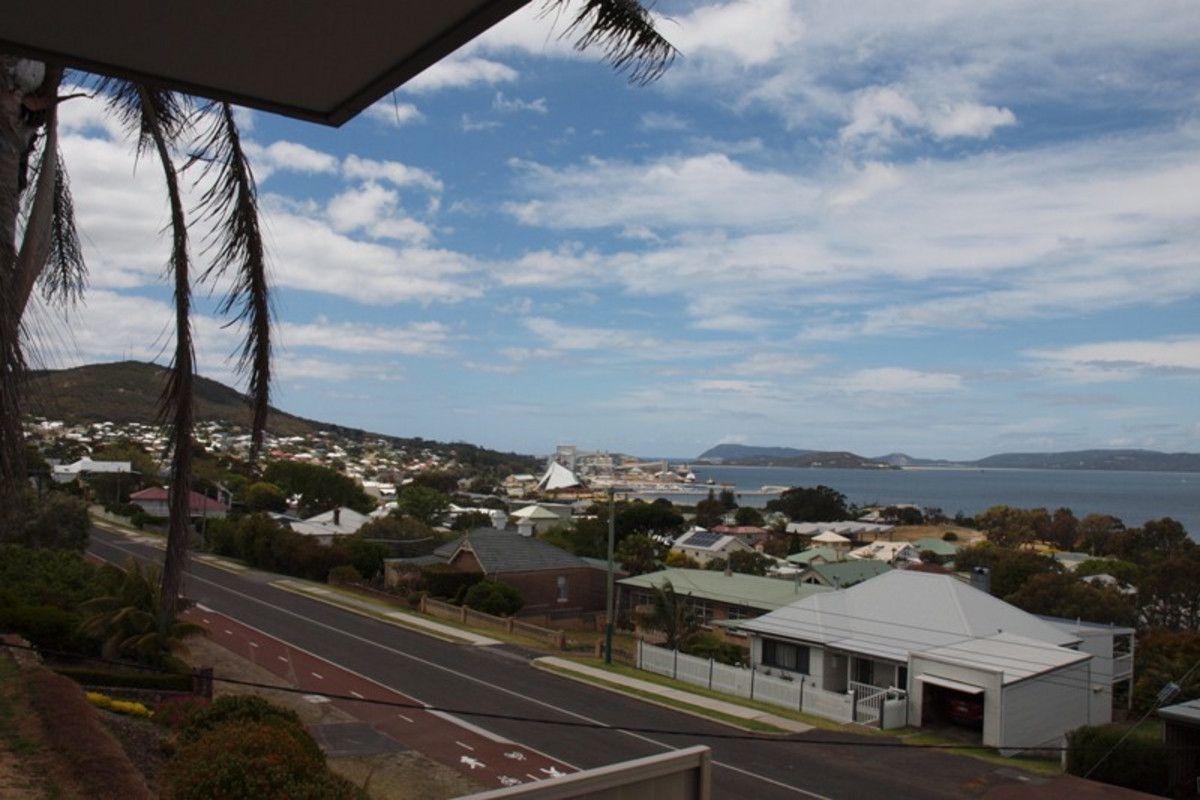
(1134, 497)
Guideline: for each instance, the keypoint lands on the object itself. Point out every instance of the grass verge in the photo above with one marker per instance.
(1041, 766)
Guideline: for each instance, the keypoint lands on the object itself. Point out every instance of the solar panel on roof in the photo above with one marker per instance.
(703, 539)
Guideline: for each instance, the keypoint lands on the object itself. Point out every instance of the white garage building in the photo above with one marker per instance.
(958, 654)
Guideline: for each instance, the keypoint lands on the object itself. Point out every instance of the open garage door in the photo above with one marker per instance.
(949, 703)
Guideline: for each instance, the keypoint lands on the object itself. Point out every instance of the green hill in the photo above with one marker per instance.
(129, 391)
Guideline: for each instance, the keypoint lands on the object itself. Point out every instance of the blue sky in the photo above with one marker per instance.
(944, 228)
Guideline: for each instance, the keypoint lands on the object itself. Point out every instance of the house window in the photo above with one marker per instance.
(864, 671)
(902, 678)
(793, 657)
(562, 588)
(702, 610)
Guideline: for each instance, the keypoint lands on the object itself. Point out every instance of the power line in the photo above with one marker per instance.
(467, 712)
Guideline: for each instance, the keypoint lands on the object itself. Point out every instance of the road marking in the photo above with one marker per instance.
(464, 745)
(282, 658)
(356, 694)
(316, 698)
(406, 719)
(229, 631)
(317, 675)
(473, 763)
(202, 607)
(207, 621)
(254, 644)
(462, 675)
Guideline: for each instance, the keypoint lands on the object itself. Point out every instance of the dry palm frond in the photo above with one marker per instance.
(65, 276)
(625, 30)
(230, 203)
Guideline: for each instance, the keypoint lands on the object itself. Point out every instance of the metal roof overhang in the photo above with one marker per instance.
(317, 61)
(946, 683)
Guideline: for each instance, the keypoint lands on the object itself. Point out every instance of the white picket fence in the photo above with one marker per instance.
(797, 694)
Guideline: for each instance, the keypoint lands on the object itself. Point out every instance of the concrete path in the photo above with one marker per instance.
(610, 681)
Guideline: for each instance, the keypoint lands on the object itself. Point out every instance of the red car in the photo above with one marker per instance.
(964, 710)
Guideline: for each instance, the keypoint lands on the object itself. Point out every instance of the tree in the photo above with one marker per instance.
(1061, 595)
(748, 562)
(644, 519)
(748, 516)
(1010, 569)
(39, 243)
(438, 480)
(493, 597)
(470, 521)
(367, 556)
(1168, 595)
(426, 505)
(263, 496)
(1095, 530)
(638, 554)
(57, 520)
(674, 615)
(1064, 530)
(1161, 658)
(818, 504)
(709, 511)
(727, 499)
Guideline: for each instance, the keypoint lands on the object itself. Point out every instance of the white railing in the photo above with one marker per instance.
(868, 702)
(791, 692)
(1122, 666)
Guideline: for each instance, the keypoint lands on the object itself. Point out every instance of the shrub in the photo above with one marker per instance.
(256, 761)
(949, 536)
(47, 627)
(346, 573)
(237, 708)
(174, 712)
(131, 679)
(445, 581)
(493, 597)
(707, 645)
(1139, 763)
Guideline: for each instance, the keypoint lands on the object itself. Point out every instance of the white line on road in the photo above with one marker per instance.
(464, 746)
(254, 644)
(406, 719)
(356, 694)
(229, 631)
(282, 658)
(318, 676)
(464, 676)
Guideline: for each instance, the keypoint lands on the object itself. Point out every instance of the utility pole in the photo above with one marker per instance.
(608, 619)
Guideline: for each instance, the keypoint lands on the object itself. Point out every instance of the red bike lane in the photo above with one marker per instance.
(488, 759)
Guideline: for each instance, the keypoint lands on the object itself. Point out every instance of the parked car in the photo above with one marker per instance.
(964, 710)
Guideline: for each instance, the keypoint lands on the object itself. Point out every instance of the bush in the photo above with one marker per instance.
(127, 679)
(47, 627)
(949, 536)
(255, 761)
(493, 597)
(346, 573)
(707, 645)
(174, 712)
(444, 581)
(1139, 763)
(237, 708)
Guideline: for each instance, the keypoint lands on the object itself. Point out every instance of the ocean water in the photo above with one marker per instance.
(1134, 497)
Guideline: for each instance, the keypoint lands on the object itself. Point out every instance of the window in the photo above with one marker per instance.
(864, 671)
(902, 678)
(784, 655)
(562, 588)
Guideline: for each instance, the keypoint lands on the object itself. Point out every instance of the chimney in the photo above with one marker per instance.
(981, 579)
(337, 515)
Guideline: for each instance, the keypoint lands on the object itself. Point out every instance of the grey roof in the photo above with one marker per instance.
(737, 589)
(1187, 711)
(1014, 657)
(505, 551)
(902, 612)
(841, 574)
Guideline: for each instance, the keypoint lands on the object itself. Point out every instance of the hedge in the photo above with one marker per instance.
(154, 681)
(1140, 762)
(444, 581)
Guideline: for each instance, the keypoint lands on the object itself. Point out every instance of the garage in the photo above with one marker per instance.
(953, 705)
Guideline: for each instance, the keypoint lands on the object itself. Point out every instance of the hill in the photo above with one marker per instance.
(745, 455)
(129, 391)
(1132, 460)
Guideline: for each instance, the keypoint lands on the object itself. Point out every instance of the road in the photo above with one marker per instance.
(500, 680)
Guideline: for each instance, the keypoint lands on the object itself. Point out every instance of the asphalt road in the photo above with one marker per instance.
(464, 679)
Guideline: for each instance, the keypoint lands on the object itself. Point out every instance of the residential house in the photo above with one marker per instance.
(86, 467)
(887, 552)
(814, 555)
(704, 546)
(946, 551)
(534, 519)
(752, 535)
(329, 525)
(1181, 737)
(951, 648)
(548, 577)
(1111, 647)
(154, 502)
(853, 530)
(842, 574)
(718, 596)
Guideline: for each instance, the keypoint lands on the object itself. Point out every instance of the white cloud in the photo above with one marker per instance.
(662, 121)
(390, 111)
(414, 339)
(282, 156)
(515, 104)
(460, 72)
(897, 381)
(774, 364)
(375, 211)
(395, 173)
(1122, 360)
(882, 114)
(729, 386)
(969, 120)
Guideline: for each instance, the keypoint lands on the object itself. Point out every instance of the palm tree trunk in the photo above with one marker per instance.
(178, 393)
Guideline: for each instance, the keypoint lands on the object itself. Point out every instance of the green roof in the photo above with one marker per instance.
(753, 591)
(847, 573)
(806, 556)
(942, 548)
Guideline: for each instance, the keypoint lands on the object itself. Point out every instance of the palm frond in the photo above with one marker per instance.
(148, 114)
(625, 30)
(66, 275)
(158, 119)
(230, 203)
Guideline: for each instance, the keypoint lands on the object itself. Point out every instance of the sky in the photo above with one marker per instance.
(943, 228)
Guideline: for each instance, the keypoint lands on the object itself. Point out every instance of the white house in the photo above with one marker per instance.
(328, 525)
(534, 519)
(65, 473)
(887, 552)
(703, 545)
(948, 646)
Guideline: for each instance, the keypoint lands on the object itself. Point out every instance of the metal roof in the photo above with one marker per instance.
(322, 62)
(753, 591)
(504, 551)
(1188, 711)
(849, 573)
(903, 612)
(1014, 657)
